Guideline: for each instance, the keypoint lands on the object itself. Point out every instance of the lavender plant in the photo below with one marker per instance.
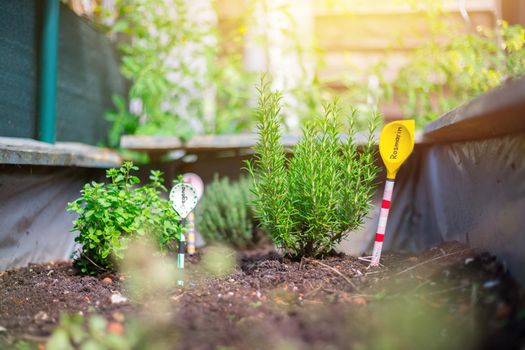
(310, 202)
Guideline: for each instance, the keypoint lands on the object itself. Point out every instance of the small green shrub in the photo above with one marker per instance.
(110, 214)
(225, 214)
(310, 202)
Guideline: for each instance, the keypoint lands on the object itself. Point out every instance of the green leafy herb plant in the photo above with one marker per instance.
(308, 203)
(111, 214)
(225, 214)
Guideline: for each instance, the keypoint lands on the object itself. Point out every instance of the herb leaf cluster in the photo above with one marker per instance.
(111, 214)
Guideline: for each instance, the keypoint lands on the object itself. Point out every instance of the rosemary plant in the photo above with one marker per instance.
(308, 203)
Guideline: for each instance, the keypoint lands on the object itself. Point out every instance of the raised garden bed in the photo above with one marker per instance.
(447, 297)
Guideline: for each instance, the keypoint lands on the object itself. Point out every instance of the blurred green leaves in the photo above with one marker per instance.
(454, 67)
(181, 81)
(77, 332)
(218, 260)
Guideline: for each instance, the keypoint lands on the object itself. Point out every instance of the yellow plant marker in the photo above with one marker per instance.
(395, 146)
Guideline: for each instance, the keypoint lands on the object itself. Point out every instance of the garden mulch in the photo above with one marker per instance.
(448, 297)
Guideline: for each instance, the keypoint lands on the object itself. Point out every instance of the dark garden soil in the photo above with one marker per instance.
(446, 298)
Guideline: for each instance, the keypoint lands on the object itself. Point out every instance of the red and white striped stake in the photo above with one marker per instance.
(198, 185)
(396, 143)
(381, 225)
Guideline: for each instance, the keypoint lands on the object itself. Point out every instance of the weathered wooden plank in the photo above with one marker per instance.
(150, 143)
(226, 142)
(329, 7)
(213, 143)
(239, 8)
(394, 31)
(30, 152)
(497, 112)
(161, 144)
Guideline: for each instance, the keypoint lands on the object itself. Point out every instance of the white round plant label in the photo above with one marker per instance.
(183, 197)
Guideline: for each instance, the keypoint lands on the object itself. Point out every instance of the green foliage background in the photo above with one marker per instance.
(441, 76)
(148, 38)
(452, 67)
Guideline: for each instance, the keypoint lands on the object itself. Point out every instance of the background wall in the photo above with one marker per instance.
(354, 35)
(469, 191)
(88, 74)
(18, 68)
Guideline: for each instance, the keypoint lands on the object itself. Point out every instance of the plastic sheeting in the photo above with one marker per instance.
(35, 225)
(473, 192)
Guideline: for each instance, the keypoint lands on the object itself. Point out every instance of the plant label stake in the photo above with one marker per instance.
(184, 199)
(395, 145)
(198, 185)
